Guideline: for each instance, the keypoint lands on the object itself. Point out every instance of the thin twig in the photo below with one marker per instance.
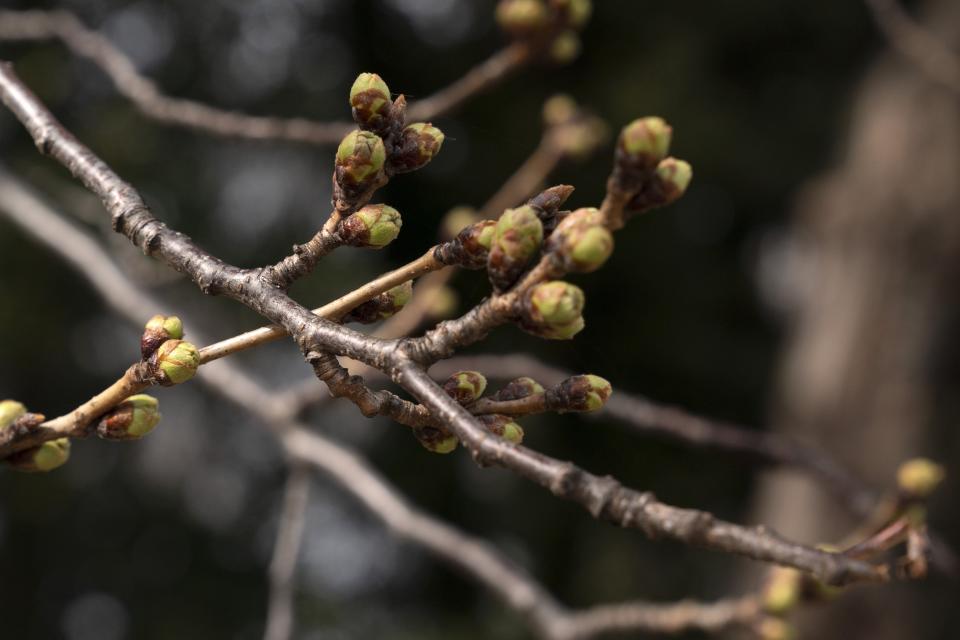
(283, 564)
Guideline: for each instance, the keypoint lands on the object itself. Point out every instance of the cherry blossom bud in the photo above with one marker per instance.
(674, 176)
(465, 387)
(471, 248)
(553, 310)
(516, 240)
(132, 419)
(502, 426)
(46, 457)
(360, 159)
(418, 144)
(645, 142)
(383, 306)
(374, 226)
(580, 393)
(518, 389)
(175, 361)
(919, 477)
(436, 440)
(581, 243)
(10, 411)
(370, 100)
(158, 330)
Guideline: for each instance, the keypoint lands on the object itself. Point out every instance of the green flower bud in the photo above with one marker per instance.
(471, 248)
(645, 141)
(10, 410)
(46, 457)
(175, 361)
(782, 591)
(576, 12)
(383, 306)
(919, 477)
(132, 419)
(516, 240)
(417, 146)
(465, 387)
(580, 393)
(360, 159)
(553, 310)
(518, 389)
(158, 330)
(436, 440)
(581, 243)
(374, 226)
(565, 47)
(522, 18)
(674, 176)
(502, 426)
(370, 100)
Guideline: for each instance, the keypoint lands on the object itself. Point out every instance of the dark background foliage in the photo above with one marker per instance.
(169, 537)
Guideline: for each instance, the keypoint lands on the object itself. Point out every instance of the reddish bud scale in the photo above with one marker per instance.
(465, 387)
(518, 389)
(370, 102)
(436, 440)
(502, 426)
(471, 248)
(665, 186)
(579, 393)
(417, 145)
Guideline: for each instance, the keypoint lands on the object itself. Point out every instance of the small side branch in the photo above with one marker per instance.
(283, 564)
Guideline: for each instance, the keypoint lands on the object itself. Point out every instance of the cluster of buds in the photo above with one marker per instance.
(553, 310)
(579, 393)
(132, 419)
(643, 168)
(374, 226)
(171, 360)
(44, 457)
(581, 242)
(551, 25)
(383, 306)
(516, 241)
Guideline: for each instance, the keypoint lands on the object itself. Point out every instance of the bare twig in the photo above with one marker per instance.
(283, 564)
(917, 44)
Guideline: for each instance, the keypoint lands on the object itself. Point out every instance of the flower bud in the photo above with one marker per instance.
(471, 248)
(370, 100)
(10, 410)
(553, 310)
(575, 12)
(674, 176)
(645, 141)
(374, 226)
(919, 477)
(522, 18)
(565, 47)
(518, 389)
(516, 240)
(132, 419)
(782, 591)
(581, 243)
(436, 440)
(360, 159)
(46, 457)
(502, 426)
(383, 306)
(465, 387)
(417, 146)
(158, 330)
(580, 393)
(175, 361)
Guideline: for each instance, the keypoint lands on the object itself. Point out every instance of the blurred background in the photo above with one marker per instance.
(805, 284)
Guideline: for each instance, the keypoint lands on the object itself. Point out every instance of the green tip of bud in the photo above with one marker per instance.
(10, 410)
(591, 248)
(486, 231)
(436, 440)
(169, 324)
(920, 476)
(374, 226)
(370, 99)
(465, 387)
(646, 140)
(522, 17)
(133, 418)
(557, 302)
(383, 306)
(503, 427)
(177, 361)
(675, 175)
(419, 143)
(516, 239)
(581, 242)
(782, 591)
(583, 393)
(360, 156)
(518, 389)
(565, 47)
(46, 457)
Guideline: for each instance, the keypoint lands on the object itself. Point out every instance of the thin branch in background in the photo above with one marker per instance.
(916, 43)
(286, 550)
(475, 557)
(153, 103)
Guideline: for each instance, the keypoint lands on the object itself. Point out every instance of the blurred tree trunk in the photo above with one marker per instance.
(879, 246)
